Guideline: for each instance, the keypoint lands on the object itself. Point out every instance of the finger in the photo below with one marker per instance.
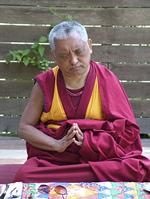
(70, 135)
(79, 137)
(80, 133)
(79, 130)
(70, 141)
(71, 130)
(65, 144)
(78, 143)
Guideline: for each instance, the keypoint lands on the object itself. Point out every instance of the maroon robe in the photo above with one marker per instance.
(111, 150)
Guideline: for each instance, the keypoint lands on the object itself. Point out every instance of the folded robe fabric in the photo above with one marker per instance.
(111, 150)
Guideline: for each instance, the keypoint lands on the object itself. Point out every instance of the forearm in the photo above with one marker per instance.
(37, 138)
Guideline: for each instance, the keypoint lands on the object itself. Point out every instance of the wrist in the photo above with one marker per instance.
(53, 144)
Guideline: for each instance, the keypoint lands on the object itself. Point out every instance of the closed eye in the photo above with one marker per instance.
(64, 56)
(79, 52)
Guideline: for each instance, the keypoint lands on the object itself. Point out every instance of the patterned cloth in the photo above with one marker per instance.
(100, 190)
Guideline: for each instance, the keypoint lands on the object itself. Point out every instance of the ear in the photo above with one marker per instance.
(53, 54)
(90, 45)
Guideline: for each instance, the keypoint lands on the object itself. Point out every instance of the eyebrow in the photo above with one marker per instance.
(65, 52)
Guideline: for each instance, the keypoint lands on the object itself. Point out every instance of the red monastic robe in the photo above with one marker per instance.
(111, 150)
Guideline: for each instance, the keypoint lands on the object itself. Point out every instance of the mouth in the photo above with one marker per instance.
(75, 68)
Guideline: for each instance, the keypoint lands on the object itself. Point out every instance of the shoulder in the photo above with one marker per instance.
(44, 75)
(46, 80)
(103, 71)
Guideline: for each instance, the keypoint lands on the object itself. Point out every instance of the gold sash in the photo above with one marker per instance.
(57, 113)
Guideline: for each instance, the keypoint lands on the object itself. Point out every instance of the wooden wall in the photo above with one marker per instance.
(120, 30)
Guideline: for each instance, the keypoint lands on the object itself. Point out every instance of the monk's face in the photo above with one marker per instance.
(73, 55)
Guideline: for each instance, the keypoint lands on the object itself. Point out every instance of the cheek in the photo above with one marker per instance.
(85, 58)
(63, 65)
(60, 61)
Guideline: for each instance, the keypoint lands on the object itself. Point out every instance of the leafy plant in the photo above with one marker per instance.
(35, 55)
(31, 56)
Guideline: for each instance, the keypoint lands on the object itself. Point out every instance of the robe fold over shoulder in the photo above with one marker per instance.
(111, 150)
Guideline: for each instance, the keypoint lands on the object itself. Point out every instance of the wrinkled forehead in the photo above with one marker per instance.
(71, 42)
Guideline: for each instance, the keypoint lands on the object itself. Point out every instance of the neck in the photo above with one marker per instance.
(76, 81)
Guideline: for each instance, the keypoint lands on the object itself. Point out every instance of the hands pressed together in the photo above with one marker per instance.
(74, 134)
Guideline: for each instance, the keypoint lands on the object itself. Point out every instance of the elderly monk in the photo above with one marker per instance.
(78, 123)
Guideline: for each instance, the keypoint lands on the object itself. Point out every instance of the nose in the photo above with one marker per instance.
(73, 58)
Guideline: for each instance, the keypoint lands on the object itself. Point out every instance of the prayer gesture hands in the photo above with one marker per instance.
(78, 139)
(74, 134)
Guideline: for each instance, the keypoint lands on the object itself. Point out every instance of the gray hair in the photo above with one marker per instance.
(65, 29)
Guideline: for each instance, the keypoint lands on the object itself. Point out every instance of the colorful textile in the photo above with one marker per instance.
(111, 150)
(105, 190)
